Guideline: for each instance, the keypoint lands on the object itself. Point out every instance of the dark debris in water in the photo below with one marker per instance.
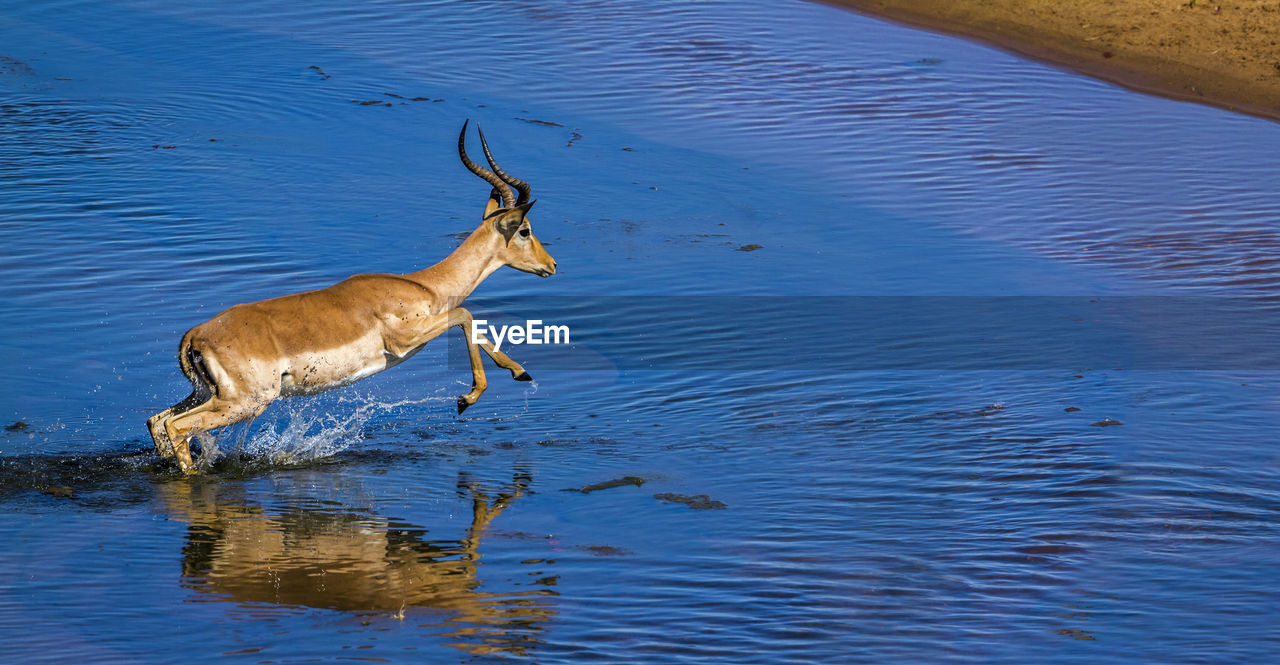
(1106, 422)
(605, 550)
(577, 136)
(608, 484)
(522, 535)
(408, 99)
(749, 248)
(17, 426)
(1071, 409)
(696, 502)
(371, 102)
(1051, 549)
(323, 76)
(59, 491)
(1076, 633)
(544, 123)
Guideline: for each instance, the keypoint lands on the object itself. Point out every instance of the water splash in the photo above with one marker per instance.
(309, 430)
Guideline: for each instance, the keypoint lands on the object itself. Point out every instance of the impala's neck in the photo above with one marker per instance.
(462, 271)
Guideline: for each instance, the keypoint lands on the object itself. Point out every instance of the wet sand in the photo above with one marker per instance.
(1220, 53)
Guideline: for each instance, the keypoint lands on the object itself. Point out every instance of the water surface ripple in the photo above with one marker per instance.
(159, 163)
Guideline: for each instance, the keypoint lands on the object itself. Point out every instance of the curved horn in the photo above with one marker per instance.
(519, 184)
(508, 200)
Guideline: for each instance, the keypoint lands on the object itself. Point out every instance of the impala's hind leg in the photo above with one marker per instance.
(155, 424)
(213, 414)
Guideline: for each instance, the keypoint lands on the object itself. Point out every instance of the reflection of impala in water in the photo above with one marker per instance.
(343, 559)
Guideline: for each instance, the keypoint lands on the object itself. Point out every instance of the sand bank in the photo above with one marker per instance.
(1221, 53)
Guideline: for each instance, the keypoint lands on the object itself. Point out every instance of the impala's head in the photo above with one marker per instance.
(507, 215)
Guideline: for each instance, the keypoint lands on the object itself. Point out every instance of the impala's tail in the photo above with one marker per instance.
(193, 367)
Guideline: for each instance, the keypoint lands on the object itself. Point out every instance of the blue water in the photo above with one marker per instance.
(160, 163)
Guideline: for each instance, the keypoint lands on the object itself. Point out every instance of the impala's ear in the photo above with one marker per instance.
(495, 202)
(508, 220)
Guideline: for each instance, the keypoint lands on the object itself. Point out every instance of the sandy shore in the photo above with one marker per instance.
(1221, 53)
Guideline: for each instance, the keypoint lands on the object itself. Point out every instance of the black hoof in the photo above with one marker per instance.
(524, 376)
(462, 405)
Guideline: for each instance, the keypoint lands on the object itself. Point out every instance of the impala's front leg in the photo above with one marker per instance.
(504, 361)
(461, 318)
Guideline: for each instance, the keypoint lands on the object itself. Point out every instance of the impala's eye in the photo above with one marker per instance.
(524, 233)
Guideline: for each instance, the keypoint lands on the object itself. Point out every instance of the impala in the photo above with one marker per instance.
(241, 360)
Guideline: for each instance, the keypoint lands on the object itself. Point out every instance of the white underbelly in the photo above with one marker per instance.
(318, 371)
